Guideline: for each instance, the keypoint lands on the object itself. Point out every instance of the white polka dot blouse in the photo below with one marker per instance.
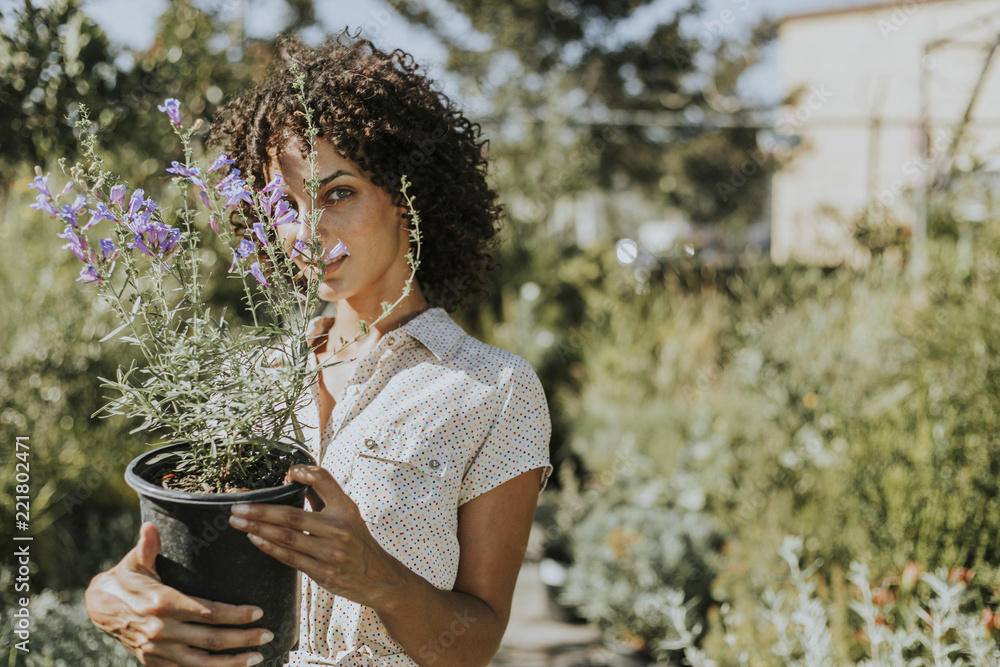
(430, 419)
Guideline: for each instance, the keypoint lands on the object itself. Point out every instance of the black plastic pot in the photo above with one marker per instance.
(202, 556)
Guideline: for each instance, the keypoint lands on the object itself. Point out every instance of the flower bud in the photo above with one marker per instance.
(961, 574)
(911, 575)
(881, 597)
(991, 620)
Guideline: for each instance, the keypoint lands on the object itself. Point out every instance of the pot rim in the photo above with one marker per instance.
(150, 490)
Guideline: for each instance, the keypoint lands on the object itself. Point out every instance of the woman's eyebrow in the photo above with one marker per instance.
(337, 174)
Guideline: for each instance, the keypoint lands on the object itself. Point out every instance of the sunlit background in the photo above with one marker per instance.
(752, 248)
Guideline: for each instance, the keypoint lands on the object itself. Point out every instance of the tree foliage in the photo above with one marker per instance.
(592, 94)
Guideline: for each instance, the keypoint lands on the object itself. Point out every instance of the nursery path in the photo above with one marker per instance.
(534, 639)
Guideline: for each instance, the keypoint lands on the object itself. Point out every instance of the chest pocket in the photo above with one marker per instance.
(436, 459)
(402, 478)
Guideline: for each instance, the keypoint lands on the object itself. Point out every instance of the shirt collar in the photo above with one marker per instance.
(436, 330)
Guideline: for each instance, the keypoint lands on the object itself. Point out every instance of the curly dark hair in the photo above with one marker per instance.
(381, 112)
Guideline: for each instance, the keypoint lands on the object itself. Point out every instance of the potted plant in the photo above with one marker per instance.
(221, 397)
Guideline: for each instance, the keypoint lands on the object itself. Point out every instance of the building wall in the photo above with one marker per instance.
(858, 117)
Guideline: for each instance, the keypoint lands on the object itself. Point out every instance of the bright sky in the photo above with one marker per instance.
(132, 23)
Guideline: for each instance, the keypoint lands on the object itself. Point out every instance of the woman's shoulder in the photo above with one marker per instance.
(454, 347)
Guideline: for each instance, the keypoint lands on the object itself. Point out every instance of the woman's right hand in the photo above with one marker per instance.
(162, 626)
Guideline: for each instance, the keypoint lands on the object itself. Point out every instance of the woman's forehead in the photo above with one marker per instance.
(291, 161)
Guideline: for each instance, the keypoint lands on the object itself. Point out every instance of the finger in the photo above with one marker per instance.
(325, 538)
(184, 656)
(322, 483)
(294, 558)
(142, 558)
(199, 610)
(316, 503)
(214, 639)
(288, 525)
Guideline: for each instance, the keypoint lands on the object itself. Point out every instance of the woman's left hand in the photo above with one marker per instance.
(331, 544)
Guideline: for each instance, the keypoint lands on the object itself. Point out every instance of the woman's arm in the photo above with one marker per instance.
(462, 627)
(160, 625)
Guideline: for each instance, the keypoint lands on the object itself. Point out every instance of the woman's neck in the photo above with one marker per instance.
(350, 312)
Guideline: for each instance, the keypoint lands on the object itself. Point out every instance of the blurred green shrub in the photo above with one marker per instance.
(49, 389)
(845, 407)
(62, 634)
(631, 546)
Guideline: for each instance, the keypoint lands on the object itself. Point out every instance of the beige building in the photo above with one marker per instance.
(865, 74)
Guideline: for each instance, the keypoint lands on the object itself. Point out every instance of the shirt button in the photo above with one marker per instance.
(370, 444)
(391, 340)
(433, 463)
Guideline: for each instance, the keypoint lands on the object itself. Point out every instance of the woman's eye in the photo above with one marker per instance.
(338, 194)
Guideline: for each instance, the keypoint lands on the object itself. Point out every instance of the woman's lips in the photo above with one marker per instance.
(333, 265)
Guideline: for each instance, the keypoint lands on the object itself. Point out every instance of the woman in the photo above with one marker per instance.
(433, 445)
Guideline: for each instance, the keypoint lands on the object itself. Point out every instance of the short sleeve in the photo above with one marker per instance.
(518, 440)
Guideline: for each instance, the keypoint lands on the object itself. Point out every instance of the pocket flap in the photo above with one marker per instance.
(433, 458)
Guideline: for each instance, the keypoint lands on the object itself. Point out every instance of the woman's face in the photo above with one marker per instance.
(354, 211)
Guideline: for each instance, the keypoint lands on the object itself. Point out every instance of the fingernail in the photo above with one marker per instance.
(255, 659)
(237, 522)
(239, 509)
(266, 637)
(257, 614)
(255, 539)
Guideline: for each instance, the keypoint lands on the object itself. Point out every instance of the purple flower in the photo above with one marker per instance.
(43, 203)
(193, 174)
(235, 196)
(134, 204)
(154, 238)
(66, 189)
(242, 251)
(76, 244)
(300, 248)
(117, 195)
(213, 222)
(41, 183)
(257, 273)
(234, 189)
(284, 214)
(205, 200)
(172, 107)
(109, 252)
(275, 184)
(338, 250)
(102, 213)
(258, 231)
(220, 162)
(69, 211)
(89, 274)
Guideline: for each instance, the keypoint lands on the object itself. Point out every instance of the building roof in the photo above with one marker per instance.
(874, 6)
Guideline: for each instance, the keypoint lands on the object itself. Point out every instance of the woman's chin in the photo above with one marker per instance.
(328, 293)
